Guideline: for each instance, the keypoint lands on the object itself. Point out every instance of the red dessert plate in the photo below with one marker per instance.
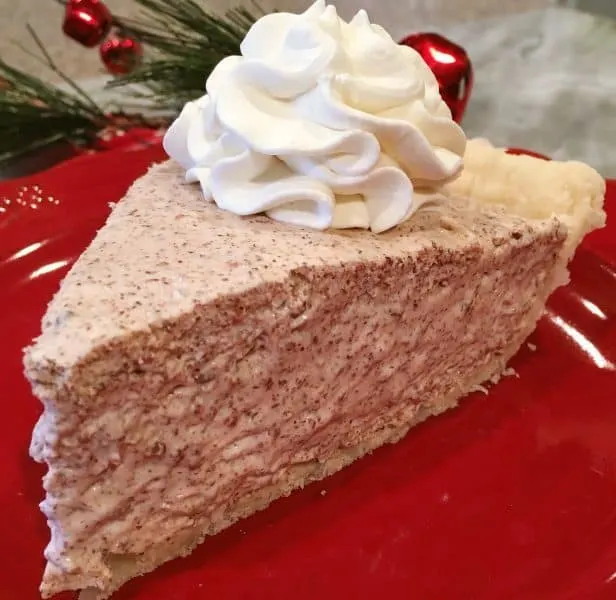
(510, 496)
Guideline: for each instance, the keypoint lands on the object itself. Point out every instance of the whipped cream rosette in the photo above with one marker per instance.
(320, 123)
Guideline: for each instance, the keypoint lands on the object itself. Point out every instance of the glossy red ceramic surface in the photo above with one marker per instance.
(511, 496)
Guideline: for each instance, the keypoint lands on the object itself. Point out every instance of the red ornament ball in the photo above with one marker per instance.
(87, 21)
(121, 55)
(451, 66)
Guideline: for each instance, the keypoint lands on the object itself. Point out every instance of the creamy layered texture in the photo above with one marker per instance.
(239, 359)
(270, 355)
(320, 123)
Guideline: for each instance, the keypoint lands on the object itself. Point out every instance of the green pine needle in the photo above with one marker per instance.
(187, 42)
(35, 114)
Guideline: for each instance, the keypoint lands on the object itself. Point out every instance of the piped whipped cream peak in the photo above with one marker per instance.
(320, 123)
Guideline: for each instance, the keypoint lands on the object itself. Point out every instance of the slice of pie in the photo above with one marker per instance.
(197, 364)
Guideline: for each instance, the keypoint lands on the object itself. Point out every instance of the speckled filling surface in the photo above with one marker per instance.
(193, 359)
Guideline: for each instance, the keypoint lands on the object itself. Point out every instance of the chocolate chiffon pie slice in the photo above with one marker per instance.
(196, 365)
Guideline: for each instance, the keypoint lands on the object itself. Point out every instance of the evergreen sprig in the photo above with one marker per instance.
(35, 114)
(185, 43)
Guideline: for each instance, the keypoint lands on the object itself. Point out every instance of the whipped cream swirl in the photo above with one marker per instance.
(319, 123)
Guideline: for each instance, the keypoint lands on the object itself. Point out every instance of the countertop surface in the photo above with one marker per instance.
(545, 80)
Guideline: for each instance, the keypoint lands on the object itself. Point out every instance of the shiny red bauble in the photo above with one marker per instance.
(87, 21)
(450, 64)
(120, 54)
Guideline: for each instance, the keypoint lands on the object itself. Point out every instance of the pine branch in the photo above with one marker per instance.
(34, 114)
(51, 65)
(187, 43)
